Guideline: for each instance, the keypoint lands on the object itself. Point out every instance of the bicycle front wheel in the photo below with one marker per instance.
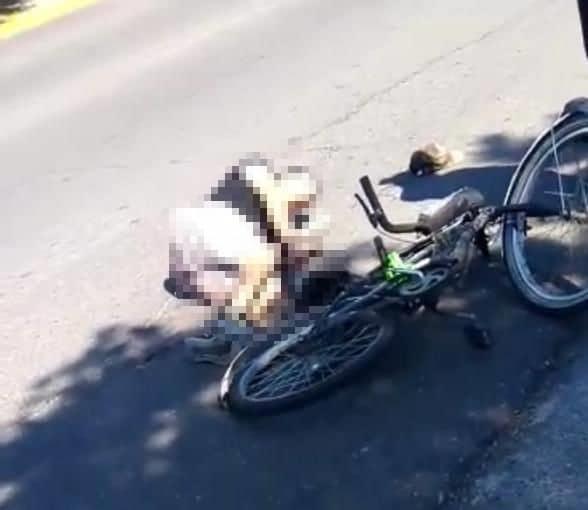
(308, 365)
(547, 258)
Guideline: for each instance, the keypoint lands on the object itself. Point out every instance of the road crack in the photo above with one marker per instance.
(374, 96)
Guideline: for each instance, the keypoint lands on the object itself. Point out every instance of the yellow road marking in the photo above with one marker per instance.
(45, 12)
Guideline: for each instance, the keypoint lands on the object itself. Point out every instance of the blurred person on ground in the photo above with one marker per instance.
(242, 251)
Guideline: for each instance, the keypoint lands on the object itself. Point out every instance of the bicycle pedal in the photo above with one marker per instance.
(478, 337)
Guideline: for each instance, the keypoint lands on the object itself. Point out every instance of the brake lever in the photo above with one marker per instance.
(463, 251)
(481, 238)
(371, 216)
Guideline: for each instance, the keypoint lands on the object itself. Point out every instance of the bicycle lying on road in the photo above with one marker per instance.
(356, 327)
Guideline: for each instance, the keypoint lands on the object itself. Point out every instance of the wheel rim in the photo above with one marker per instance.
(560, 289)
(307, 362)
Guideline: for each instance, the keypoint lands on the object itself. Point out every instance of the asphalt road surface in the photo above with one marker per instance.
(115, 114)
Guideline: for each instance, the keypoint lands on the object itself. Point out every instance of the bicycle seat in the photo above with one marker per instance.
(455, 205)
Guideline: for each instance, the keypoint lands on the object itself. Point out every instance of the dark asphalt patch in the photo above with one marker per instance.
(400, 437)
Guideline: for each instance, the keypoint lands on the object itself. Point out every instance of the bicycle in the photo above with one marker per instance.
(353, 331)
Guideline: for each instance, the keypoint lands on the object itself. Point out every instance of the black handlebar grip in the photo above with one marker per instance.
(370, 193)
(379, 216)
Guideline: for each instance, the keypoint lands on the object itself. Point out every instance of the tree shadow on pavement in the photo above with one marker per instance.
(110, 431)
(13, 6)
(132, 424)
(496, 159)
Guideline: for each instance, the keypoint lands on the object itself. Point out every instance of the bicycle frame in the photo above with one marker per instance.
(375, 295)
(378, 293)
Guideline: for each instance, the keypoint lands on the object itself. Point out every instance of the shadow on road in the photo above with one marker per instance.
(110, 431)
(12, 6)
(492, 178)
(122, 434)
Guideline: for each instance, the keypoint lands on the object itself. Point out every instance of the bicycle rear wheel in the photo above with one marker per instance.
(308, 365)
(547, 259)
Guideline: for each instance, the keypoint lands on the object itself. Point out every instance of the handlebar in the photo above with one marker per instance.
(377, 216)
(459, 203)
(531, 210)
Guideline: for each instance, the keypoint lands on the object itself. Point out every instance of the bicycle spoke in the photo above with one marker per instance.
(339, 344)
(304, 379)
(347, 353)
(285, 383)
(345, 356)
(326, 367)
(267, 373)
(275, 386)
(293, 371)
(550, 255)
(353, 341)
(283, 373)
(341, 351)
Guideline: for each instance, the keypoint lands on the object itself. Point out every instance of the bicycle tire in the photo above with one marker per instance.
(573, 126)
(238, 401)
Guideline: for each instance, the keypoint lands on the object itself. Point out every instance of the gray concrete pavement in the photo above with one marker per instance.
(117, 113)
(542, 463)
